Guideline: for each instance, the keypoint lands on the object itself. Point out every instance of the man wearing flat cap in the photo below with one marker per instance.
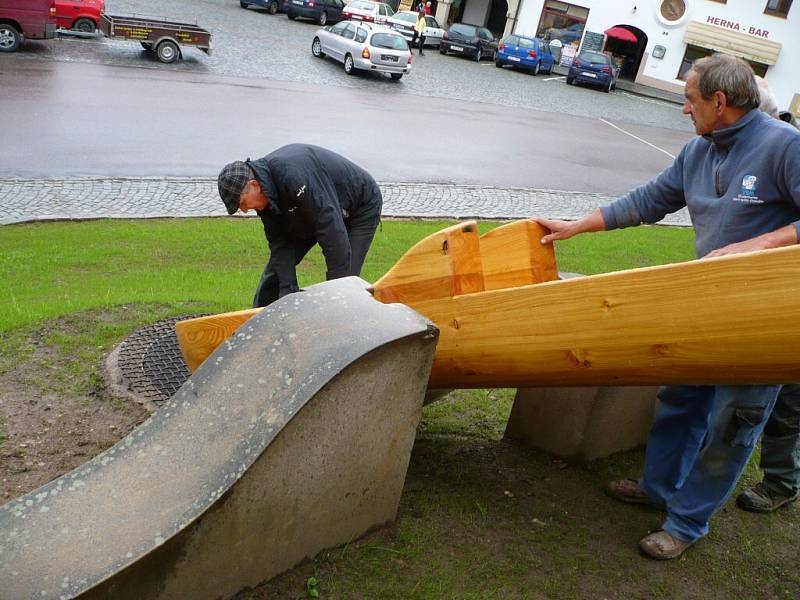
(304, 195)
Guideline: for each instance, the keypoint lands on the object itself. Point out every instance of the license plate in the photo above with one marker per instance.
(513, 58)
(357, 17)
(298, 2)
(585, 74)
(389, 58)
(457, 48)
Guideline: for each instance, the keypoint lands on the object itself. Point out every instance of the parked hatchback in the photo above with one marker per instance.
(79, 15)
(593, 68)
(470, 40)
(367, 11)
(364, 47)
(321, 11)
(405, 21)
(528, 53)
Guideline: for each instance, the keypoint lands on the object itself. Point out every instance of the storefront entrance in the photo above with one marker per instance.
(626, 44)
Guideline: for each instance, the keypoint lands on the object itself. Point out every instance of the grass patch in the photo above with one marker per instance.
(479, 518)
(53, 269)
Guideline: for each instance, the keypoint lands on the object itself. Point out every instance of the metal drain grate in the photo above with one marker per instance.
(148, 364)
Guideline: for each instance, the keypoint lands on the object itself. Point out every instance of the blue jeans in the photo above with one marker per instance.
(698, 446)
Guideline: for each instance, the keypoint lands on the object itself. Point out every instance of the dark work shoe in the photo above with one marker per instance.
(629, 490)
(760, 498)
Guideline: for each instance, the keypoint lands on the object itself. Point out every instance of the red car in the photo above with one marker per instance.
(80, 15)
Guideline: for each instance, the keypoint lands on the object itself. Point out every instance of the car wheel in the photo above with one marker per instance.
(10, 38)
(84, 26)
(349, 65)
(536, 69)
(316, 48)
(291, 16)
(273, 8)
(396, 76)
(322, 18)
(442, 49)
(478, 53)
(167, 51)
(147, 46)
(570, 80)
(242, 4)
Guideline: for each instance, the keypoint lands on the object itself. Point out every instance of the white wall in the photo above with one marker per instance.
(783, 77)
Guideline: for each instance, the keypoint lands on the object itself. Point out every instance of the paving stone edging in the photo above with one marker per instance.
(80, 198)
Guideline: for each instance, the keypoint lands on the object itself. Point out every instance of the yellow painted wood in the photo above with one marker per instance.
(730, 320)
(724, 320)
(513, 255)
(444, 264)
(199, 337)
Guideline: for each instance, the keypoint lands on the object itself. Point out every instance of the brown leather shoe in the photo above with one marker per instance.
(629, 490)
(662, 545)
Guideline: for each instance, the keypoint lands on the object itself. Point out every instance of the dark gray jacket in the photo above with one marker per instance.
(314, 194)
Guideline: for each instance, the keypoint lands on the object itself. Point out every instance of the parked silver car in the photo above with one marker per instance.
(405, 20)
(364, 47)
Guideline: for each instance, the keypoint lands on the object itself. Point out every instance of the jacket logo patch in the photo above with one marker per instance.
(301, 190)
(748, 189)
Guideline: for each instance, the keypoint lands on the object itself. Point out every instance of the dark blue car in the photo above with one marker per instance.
(593, 68)
(272, 6)
(528, 53)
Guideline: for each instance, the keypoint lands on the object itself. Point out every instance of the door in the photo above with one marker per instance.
(333, 42)
(433, 33)
(66, 12)
(335, 10)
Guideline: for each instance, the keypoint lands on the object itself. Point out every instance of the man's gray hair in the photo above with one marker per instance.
(730, 75)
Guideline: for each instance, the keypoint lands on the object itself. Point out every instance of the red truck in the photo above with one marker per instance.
(31, 19)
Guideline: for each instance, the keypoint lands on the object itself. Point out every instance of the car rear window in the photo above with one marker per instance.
(467, 30)
(390, 41)
(595, 57)
(525, 43)
(410, 17)
(360, 4)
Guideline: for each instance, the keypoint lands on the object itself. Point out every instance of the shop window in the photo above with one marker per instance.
(694, 53)
(562, 21)
(778, 8)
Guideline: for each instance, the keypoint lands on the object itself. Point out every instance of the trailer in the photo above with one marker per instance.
(161, 36)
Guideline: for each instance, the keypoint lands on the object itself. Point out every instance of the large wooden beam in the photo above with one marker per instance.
(506, 322)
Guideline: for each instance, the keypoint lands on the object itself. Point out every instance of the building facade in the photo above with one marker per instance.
(655, 42)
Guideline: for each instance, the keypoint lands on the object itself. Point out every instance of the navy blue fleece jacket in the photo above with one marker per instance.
(737, 183)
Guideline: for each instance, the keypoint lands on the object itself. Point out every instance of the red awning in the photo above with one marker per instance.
(621, 33)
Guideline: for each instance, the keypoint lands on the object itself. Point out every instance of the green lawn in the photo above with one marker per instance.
(480, 517)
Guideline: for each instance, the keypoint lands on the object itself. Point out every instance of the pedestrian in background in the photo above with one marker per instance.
(428, 9)
(419, 31)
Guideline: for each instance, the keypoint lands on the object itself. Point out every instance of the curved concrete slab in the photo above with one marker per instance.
(294, 436)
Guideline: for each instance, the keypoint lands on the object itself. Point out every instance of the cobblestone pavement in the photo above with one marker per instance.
(90, 198)
(252, 43)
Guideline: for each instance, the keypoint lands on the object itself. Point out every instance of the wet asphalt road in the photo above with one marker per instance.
(104, 107)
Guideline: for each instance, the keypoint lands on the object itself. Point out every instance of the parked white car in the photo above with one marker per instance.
(405, 20)
(368, 11)
(364, 47)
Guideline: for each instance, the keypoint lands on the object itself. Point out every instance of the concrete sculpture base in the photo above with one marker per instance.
(294, 436)
(582, 423)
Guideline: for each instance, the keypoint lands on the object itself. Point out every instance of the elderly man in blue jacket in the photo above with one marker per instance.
(304, 195)
(740, 180)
